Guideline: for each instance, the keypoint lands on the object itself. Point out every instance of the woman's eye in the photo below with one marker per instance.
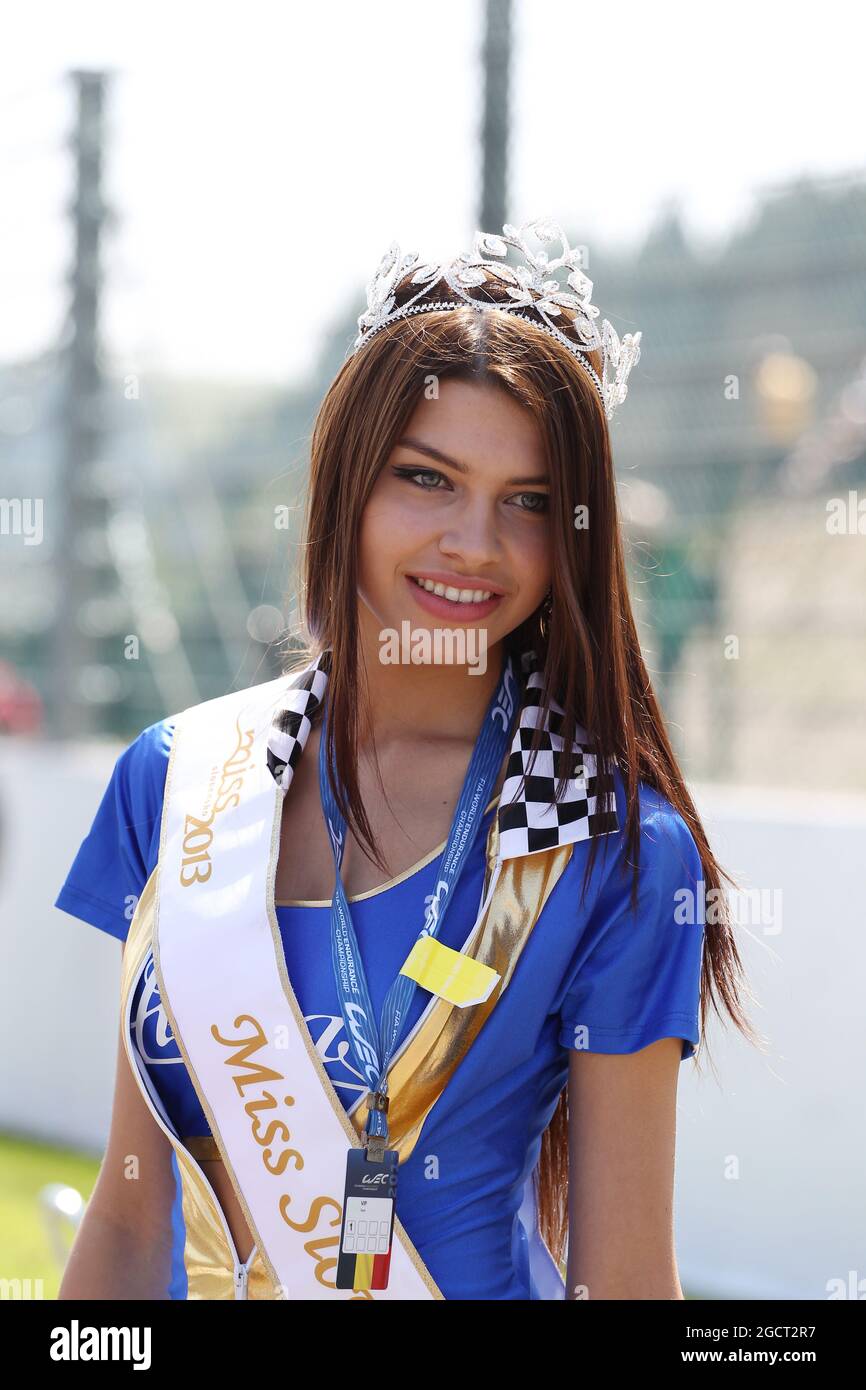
(412, 473)
(537, 497)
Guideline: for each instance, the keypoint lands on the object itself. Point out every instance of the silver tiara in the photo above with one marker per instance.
(531, 286)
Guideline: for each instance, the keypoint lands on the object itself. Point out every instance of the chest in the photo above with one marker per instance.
(409, 819)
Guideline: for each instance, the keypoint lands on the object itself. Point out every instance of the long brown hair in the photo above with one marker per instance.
(585, 640)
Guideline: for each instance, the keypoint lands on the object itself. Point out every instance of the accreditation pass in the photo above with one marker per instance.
(368, 1221)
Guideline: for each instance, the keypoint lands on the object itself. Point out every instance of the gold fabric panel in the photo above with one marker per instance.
(419, 1075)
(201, 1146)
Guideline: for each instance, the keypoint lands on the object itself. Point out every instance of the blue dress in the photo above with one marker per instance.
(592, 976)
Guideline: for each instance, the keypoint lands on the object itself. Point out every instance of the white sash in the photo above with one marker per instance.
(218, 956)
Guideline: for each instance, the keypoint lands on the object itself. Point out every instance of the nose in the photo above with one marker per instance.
(472, 537)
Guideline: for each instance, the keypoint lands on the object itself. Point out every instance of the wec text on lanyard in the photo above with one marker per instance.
(365, 1241)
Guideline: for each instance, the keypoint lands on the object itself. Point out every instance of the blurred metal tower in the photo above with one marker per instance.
(80, 509)
(109, 591)
(496, 60)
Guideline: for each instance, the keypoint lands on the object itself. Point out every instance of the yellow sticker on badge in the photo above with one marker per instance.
(449, 974)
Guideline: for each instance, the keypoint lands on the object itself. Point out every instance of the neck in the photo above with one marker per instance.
(424, 704)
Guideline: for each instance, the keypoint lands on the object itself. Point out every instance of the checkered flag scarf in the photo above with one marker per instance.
(529, 822)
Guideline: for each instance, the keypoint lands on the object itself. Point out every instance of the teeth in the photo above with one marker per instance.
(455, 595)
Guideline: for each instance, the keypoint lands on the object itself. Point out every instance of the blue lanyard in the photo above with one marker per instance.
(372, 1054)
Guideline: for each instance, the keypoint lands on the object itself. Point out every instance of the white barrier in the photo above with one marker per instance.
(59, 977)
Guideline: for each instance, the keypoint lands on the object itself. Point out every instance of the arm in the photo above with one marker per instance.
(622, 1137)
(122, 1249)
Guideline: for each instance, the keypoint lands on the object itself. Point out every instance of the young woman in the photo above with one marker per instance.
(421, 918)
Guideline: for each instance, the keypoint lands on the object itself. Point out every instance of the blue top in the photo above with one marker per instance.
(593, 977)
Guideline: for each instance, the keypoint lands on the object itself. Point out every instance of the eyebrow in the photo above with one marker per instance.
(407, 442)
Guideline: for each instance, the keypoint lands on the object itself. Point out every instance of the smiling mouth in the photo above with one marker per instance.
(453, 594)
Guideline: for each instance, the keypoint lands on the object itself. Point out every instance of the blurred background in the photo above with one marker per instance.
(192, 206)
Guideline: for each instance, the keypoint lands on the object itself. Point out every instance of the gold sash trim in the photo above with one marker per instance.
(417, 1077)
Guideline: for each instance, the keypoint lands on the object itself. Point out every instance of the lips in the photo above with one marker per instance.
(443, 607)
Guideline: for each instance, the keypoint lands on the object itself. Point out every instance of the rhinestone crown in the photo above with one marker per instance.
(535, 293)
